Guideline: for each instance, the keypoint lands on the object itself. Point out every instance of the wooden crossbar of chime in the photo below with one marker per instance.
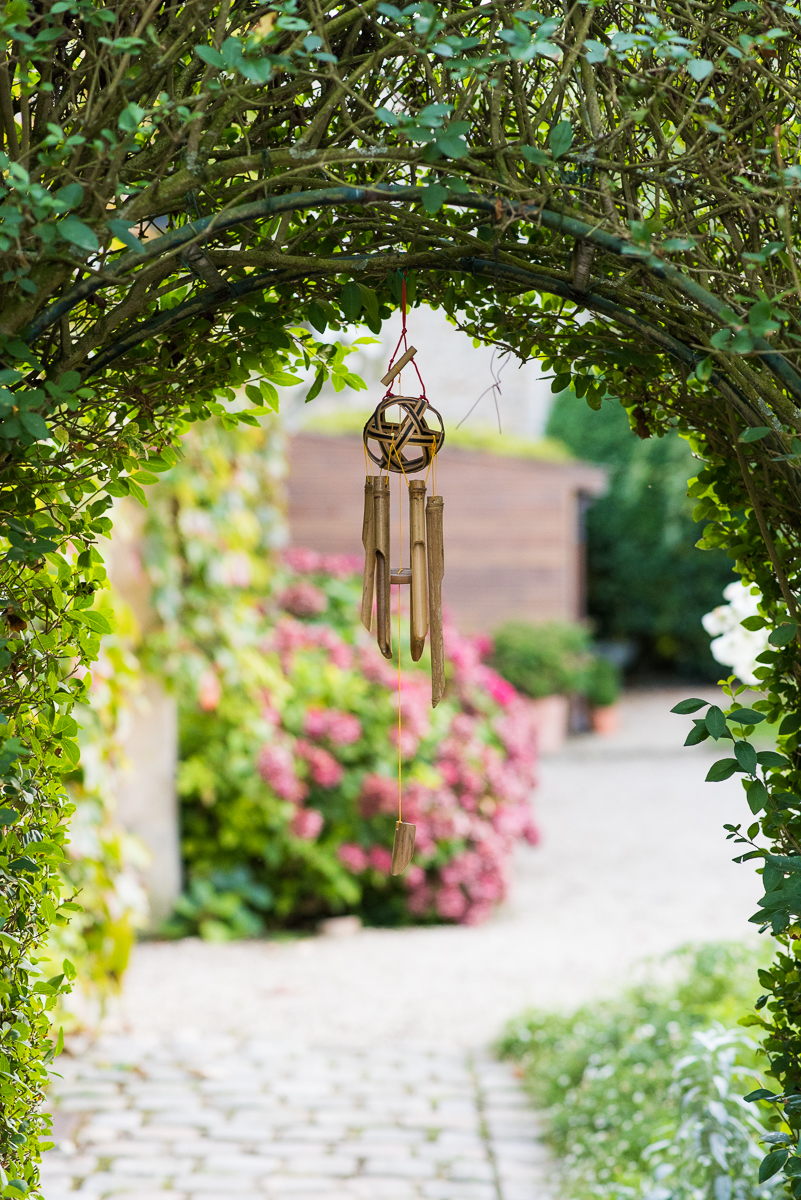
(403, 448)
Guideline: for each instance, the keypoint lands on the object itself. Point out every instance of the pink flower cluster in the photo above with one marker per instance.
(306, 823)
(357, 860)
(309, 562)
(303, 599)
(339, 728)
(468, 794)
(276, 765)
(289, 636)
(323, 767)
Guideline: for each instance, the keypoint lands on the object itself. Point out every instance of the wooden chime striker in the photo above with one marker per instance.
(404, 447)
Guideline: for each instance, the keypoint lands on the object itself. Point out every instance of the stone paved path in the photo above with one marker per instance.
(370, 1077)
(201, 1117)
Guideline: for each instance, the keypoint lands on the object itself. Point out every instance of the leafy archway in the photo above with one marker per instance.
(193, 192)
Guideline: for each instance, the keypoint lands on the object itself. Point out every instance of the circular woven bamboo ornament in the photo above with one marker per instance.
(392, 440)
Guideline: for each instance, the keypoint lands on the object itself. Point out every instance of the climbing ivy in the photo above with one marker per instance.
(195, 193)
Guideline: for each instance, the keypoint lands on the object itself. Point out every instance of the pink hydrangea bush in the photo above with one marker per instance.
(290, 762)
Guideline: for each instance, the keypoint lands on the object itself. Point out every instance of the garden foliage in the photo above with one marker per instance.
(553, 658)
(643, 1093)
(190, 189)
(101, 867)
(288, 769)
(646, 582)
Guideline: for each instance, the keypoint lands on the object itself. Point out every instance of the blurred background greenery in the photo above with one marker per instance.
(647, 583)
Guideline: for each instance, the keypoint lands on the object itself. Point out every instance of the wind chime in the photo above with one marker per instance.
(404, 446)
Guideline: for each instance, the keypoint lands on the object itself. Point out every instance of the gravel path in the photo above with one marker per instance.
(383, 1035)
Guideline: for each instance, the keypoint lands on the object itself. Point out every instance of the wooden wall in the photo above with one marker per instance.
(513, 543)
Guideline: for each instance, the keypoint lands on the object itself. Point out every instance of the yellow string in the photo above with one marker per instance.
(368, 464)
(433, 463)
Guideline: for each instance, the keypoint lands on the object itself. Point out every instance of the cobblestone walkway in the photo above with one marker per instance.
(169, 1119)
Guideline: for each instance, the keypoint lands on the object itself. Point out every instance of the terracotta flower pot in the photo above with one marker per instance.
(606, 719)
(551, 720)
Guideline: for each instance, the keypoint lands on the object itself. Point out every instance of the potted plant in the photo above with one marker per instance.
(603, 692)
(548, 662)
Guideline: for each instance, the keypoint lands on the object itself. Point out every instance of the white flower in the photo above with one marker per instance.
(734, 646)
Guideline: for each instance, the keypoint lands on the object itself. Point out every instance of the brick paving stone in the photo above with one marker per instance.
(222, 1183)
(136, 1192)
(297, 1185)
(183, 1120)
(442, 1189)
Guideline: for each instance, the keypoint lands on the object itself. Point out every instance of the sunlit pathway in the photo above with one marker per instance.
(358, 1067)
(222, 1117)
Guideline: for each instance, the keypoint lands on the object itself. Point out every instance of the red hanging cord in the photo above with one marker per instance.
(403, 342)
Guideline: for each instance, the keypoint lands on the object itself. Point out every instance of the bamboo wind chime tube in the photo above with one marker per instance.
(382, 580)
(395, 371)
(436, 570)
(368, 541)
(402, 847)
(418, 623)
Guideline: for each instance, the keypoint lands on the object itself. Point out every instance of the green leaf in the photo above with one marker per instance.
(93, 620)
(123, 234)
(314, 390)
(137, 492)
(451, 141)
(350, 301)
(270, 394)
(755, 434)
(434, 196)
(772, 1164)
(534, 155)
(8, 816)
(595, 52)
(745, 754)
(753, 623)
(23, 863)
(784, 634)
(210, 56)
(68, 197)
(317, 317)
(560, 139)
(790, 724)
(35, 425)
(369, 302)
(688, 706)
(716, 722)
(757, 795)
(131, 117)
(700, 68)
(762, 1094)
(724, 768)
(698, 733)
(746, 716)
(74, 231)
(769, 758)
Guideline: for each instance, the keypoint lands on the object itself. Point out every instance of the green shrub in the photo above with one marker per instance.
(550, 658)
(221, 907)
(626, 1083)
(603, 682)
(646, 580)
